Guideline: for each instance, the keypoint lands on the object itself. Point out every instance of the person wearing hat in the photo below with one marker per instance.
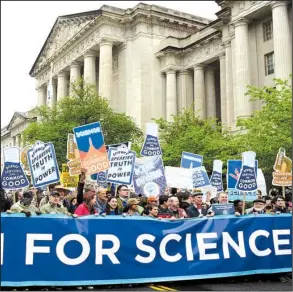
(25, 205)
(131, 208)
(258, 207)
(88, 205)
(153, 200)
(54, 206)
(63, 191)
(196, 209)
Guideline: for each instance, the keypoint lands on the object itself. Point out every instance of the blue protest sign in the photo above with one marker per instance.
(151, 146)
(190, 160)
(91, 146)
(233, 172)
(223, 209)
(216, 177)
(43, 164)
(247, 178)
(63, 251)
(102, 179)
(200, 177)
(121, 165)
(13, 176)
(149, 177)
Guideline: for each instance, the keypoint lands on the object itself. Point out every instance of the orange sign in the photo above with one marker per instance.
(282, 176)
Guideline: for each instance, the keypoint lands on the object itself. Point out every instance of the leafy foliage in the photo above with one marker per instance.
(84, 106)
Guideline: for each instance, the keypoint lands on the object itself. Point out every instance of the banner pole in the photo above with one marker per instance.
(283, 192)
(244, 202)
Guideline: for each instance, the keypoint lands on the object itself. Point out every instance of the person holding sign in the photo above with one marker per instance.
(88, 205)
(196, 209)
(54, 206)
(25, 205)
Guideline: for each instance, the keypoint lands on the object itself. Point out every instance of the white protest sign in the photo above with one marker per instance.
(178, 177)
(261, 182)
(43, 164)
(121, 165)
(152, 129)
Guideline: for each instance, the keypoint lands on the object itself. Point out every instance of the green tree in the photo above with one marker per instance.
(269, 128)
(83, 106)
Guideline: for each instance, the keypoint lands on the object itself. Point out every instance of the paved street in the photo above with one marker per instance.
(252, 283)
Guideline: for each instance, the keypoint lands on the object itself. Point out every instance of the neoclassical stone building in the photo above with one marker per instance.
(151, 62)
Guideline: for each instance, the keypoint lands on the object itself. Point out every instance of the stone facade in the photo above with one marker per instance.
(152, 62)
(11, 135)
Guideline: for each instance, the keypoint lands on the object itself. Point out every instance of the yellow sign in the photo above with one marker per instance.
(282, 176)
(74, 167)
(72, 151)
(66, 179)
(24, 161)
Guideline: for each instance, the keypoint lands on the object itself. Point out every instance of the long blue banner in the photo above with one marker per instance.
(61, 251)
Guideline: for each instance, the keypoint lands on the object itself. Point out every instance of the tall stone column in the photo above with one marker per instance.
(199, 91)
(42, 95)
(54, 93)
(171, 92)
(62, 85)
(163, 96)
(210, 92)
(223, 89)
(242, 106)
(282, 40)
(17, 140)
(229, 85)
(74, 73)
(182, 89)
(105, 70)
(90, 67)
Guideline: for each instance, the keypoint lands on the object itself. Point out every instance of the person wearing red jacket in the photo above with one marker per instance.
(87, 207)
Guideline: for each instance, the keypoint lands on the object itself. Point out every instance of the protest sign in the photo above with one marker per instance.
(91, 146)
(261, 182)
(149, 177)
(216, 177)
(223, 209)
(151, 145)
(121, 165)
(72, 151)
(66, 179)
(74, 167)
(61, 251)
(43, 164)
(127, 144)
(233, 171)
(13, 176)
(200, 177)
(190, 160)
(23, 160)
(282, 175)
(247, 179)
(102, 179)
(178, 177)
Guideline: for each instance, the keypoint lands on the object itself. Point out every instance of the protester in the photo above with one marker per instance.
(164, 203)
(196, 209)
(101, 200)
(153, 200)
(176, 212)
(238, 206)
(112, 207)
(280, 206)
(258, 207)
(5, 203)
(153, 210)
(143, 202)
(45, 200)
(223, 198)
(88, 205)
(18, 196)
(73, 205)
(140, 208)
(63, 193)
(259, 194)
(122, 197)
(186, 200)
(131, 208)
(25, 205)
(54, 206)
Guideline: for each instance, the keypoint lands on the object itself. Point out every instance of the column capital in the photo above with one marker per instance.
(90, 53)
(241, 21)
(222, 56)
(62, 74)
(170, 71)
(227, 44)
(75, 64)
(184, 72)
(198, 67)
(275, 4)
(106, 42)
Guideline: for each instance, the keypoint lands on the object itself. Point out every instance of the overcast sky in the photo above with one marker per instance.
(25, 26)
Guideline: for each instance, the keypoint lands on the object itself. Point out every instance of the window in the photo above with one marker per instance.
(267, 30)
(270, 63)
